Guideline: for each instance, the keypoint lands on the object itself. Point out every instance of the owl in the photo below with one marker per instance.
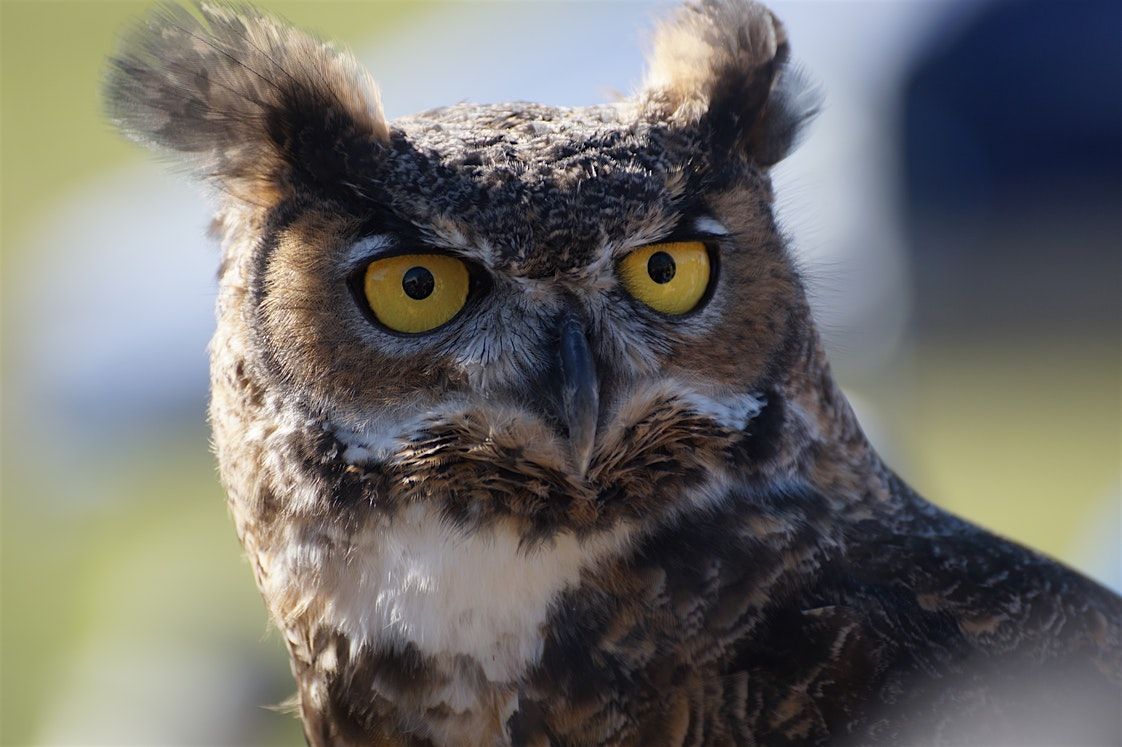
(530, 438)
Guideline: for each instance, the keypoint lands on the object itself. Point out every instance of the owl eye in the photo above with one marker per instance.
(414, 293)
(671, 278)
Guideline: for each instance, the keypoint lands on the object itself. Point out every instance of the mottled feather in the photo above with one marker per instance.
(735, 565)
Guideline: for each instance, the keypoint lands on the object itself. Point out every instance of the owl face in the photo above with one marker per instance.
(517, 256)
(528, 311)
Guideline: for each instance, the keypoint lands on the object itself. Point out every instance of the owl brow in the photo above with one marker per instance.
(694, 225)
(709, 225)
(690, 225)
(368, 246)
(384, 245)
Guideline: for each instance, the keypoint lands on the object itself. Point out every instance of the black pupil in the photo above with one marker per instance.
(661, 267)
(417, 283)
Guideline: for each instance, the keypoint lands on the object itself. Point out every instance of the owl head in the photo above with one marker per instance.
(553, 318)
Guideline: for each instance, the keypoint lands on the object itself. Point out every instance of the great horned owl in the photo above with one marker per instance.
(530, 438)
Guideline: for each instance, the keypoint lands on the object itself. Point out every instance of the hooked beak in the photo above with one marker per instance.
(579, 390)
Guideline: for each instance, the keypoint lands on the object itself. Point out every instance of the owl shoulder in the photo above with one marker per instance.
(954, 633)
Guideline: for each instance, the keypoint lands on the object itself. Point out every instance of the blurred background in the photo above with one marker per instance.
(957, 209)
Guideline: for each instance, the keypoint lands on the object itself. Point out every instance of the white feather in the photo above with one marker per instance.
(417, 580)
(710, 226)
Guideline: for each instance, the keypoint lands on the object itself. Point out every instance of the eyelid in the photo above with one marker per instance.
(368, 249)
(357, 260)
(694, 225)
(707, 225)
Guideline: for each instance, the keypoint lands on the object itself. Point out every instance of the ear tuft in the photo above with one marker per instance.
(725, 62)
(241, 97)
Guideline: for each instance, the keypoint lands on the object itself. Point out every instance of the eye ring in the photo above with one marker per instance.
(674, 279)
(478, 283)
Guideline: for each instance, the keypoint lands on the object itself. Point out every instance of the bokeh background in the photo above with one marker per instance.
(957, 209)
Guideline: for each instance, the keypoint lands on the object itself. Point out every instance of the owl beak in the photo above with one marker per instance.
(579, 390)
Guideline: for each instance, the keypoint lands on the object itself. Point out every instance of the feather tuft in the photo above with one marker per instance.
(725, 63)
(241, 97)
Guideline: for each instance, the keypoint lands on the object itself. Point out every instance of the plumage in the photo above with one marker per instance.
(561, 516)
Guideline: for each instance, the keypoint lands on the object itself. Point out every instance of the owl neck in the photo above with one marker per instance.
(823, 445)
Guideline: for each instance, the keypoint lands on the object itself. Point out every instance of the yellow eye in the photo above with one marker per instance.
(416, 292)
(670, 278)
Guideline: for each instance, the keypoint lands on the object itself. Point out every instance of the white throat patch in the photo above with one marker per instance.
(417, 580)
